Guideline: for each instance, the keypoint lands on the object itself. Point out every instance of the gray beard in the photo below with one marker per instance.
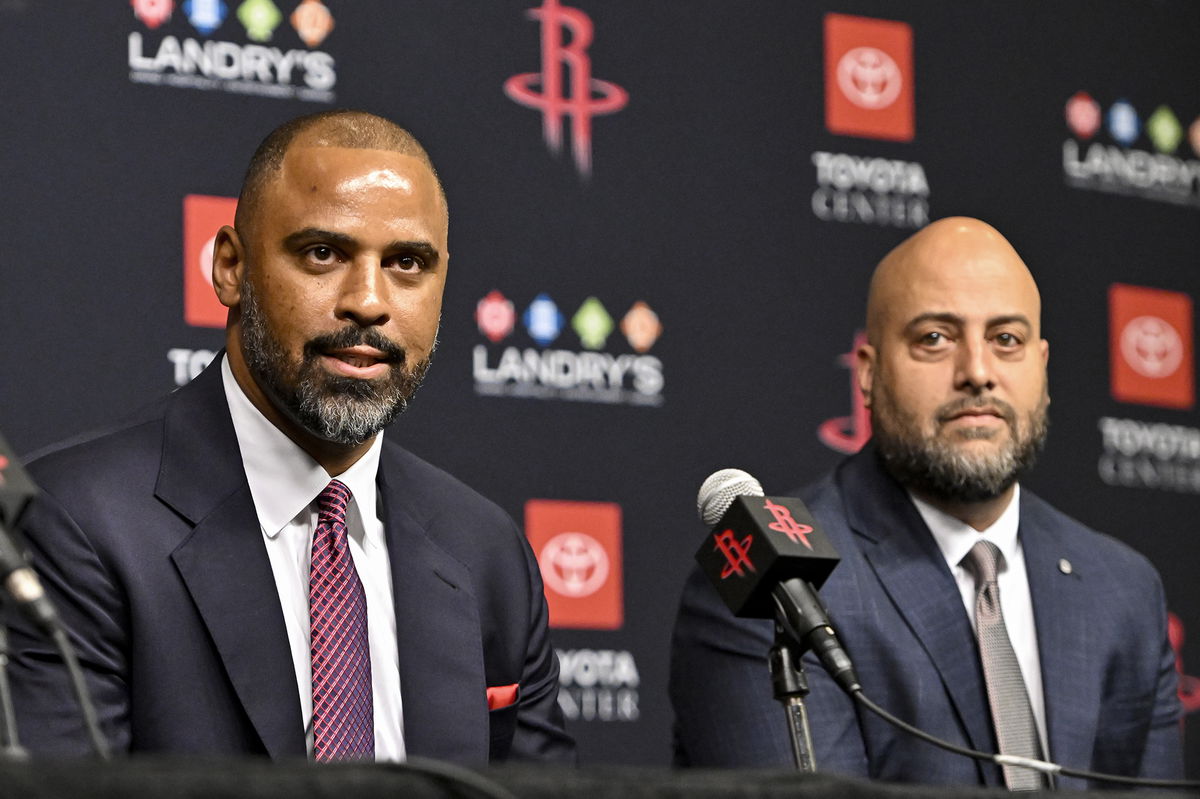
(331, 407)
(932, 466)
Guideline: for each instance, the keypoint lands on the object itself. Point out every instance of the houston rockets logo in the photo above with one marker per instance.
(848, 433)
(737, 553)
(787, 525)
(1189, 687)
(580, 104)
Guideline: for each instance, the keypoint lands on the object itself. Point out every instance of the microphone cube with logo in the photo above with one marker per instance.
(759, 543)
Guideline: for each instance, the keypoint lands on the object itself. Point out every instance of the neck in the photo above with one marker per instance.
(979, 515)
(334, 457)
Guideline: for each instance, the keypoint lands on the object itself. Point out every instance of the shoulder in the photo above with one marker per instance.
(111, 456)
(1101, 552)
(454, 515)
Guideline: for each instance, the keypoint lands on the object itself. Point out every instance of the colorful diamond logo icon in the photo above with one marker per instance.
(205, 15)
(495, 316)
(312, 21)
(1083, 115)
(543, 320)
(1194, 135)
(1123, 123)
(1164, 130)
(152, 13)
(641, 327)
(592, 324)
(260, 17)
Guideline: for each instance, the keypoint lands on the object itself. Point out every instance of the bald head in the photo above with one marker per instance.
(949, 252)
(342, 128)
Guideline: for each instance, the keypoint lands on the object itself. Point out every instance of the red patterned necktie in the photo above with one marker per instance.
(343, 712)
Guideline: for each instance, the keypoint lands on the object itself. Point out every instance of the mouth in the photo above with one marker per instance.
(361, 362)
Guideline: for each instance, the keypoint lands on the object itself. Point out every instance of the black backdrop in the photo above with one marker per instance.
(708, 199)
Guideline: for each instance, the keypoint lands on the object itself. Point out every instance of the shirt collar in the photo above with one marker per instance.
(284, 479)
(955, 538)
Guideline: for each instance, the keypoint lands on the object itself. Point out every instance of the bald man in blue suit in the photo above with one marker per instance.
(954, 372)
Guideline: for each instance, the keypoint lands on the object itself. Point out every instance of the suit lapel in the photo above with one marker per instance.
(910, 567)
(224, 562)
(438, 634)
(1061, 597)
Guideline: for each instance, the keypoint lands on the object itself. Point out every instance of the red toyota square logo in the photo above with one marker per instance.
(203, 216)
(578, 547)
(1150, 346)
(868, 77)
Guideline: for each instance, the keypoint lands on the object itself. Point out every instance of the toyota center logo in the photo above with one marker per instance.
(869, 77)
(574, 564)
(1151, 347)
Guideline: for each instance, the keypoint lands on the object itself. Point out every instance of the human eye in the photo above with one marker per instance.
(321, 254)
(1008, 341)
(408, 263)
(933, 340)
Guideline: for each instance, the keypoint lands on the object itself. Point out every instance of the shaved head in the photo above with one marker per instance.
(954, 368)
(945, 249)
(358, 130)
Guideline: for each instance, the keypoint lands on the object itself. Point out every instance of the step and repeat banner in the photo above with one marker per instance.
(663, 218)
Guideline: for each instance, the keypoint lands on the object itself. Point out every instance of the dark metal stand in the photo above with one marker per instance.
(10, 747)
(791, 686)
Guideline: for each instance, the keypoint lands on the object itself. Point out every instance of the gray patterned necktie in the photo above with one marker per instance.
(1012, 715)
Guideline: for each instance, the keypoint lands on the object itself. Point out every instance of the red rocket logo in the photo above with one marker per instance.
(787, 525)
(580, 97)
(737, 553)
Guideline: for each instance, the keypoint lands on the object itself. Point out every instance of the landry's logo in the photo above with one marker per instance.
(578, 546)
(869, 94)
(1150, 349)
(1103, 153)
(167, 54)
(549, 370)
(565, 87)
(868, 77)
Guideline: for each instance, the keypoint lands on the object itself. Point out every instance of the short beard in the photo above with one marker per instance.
(932, 466)
(345, 410)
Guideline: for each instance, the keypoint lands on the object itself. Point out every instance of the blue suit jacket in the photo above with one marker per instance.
(148, 541)
(1108, 670)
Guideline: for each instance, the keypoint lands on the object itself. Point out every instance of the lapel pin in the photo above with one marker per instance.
(1064, 566)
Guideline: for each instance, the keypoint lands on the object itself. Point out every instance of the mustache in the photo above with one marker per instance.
(951, 409)
(352, 336)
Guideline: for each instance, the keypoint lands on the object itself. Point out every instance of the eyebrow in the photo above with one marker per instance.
(311, 235)
(955, 319)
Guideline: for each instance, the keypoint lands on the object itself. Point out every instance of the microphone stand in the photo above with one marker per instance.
(10, 748)
(791, 686)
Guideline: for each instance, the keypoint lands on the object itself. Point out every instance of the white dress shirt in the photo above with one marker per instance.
(285, 482)
(955, 539)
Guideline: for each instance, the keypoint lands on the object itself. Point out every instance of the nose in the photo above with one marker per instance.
(973, 370)
(362, 295)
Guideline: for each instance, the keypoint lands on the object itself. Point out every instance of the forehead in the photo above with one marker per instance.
(316, 184)
(974, 284)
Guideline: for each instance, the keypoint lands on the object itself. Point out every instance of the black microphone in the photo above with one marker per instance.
(766, 557)
(19, 580)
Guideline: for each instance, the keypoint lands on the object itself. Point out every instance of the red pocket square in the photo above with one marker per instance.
(502, 696)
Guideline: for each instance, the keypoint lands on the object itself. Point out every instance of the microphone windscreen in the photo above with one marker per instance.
(719, 491)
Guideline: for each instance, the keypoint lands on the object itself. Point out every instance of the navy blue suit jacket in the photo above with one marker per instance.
(147, 539)
(1108, 670)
